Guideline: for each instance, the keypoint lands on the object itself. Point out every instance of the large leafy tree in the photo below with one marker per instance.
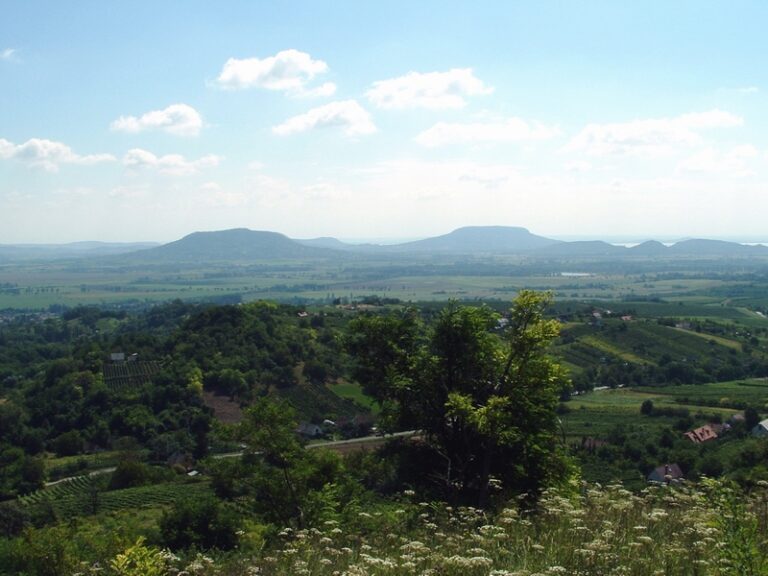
(281, 480)
(484, 398)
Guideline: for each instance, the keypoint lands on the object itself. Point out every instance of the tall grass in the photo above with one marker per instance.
(710, 529)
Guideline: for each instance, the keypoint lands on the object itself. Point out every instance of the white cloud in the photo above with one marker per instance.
(173, 164)
(287, 71)
(434, 90)
(129, 192)
(48, 154)
(178, 119)
(578, 166)
(509, 130)
(651, 137)
(8, 54)
(734, 163)
(213, 195)
(348, 115)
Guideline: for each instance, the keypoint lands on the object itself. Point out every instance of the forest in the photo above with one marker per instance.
(231, 430)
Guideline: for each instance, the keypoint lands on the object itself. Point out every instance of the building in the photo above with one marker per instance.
(761, 430)
(702, 434)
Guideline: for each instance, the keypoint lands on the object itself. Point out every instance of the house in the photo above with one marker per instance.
(666, 474)
(703, 434)
(737, 418)
(117, 357)
(309, 430)
(761, 430)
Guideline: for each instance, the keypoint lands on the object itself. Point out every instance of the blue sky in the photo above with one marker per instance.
(147, 121)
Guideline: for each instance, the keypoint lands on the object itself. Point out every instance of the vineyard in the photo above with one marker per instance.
(84, 495)
(129, 375)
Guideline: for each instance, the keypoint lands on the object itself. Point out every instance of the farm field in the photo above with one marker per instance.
(693, 287)
(82, 496)
(598, 413)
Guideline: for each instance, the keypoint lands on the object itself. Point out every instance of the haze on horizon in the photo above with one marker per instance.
(147, 121)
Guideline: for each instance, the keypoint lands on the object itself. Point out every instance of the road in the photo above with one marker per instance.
(339, 446)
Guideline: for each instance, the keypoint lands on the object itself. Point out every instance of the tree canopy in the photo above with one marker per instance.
(484, 393)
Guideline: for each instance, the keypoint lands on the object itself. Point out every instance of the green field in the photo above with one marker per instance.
(597, 413)
(679, 288)
(354, 392)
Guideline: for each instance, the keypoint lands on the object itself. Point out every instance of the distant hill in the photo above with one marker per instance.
(233, 245)
(22, 252)
(649, 248)
(581, 249)
(335, 244)
(478, 239)
(702, 247)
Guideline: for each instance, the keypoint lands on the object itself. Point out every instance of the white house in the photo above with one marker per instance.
(761, 430)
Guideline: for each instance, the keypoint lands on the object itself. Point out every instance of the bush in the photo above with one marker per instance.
(203, 524)
(128, 474)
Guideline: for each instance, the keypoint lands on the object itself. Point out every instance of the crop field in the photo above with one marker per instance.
(37, 285)
(753, 392)
(68, 465)
(81, 496)
(129, 375)
(597, 413)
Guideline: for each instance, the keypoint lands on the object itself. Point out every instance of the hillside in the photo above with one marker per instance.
(235, 245)
(704, 247)
(478, 239)
(581, 249)
(24, 252)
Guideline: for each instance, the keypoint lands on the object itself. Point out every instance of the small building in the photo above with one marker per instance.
(309, 430)
(761, 430)
(117, 357)
(702, 434)
(666, 474)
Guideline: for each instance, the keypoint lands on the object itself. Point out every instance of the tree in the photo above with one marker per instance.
(646, 407)
(203, 523)
(485, 402)
(280, 477)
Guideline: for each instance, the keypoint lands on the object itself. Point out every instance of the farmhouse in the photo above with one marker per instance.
(309, 430)
(761, 430)
(702, 434)
(666, 474)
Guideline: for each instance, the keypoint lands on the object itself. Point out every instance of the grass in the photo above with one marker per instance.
(728, 343)
(353, 391)
(671, 531)
(597, 413)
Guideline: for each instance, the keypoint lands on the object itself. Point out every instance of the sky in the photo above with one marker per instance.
(146, 121)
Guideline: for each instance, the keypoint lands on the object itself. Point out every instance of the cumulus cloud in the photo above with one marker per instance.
(348, 115)
(434, 90)
(178, 119)
(651, 137)
(48, 154)
(287, 71)
(509, 130)
(173, 164)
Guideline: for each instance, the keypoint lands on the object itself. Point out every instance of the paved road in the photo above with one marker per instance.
(340, 446)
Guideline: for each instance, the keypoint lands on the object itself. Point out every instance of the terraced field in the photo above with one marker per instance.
(81, 496)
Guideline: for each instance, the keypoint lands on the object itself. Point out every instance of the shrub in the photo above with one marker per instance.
(203, 524)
